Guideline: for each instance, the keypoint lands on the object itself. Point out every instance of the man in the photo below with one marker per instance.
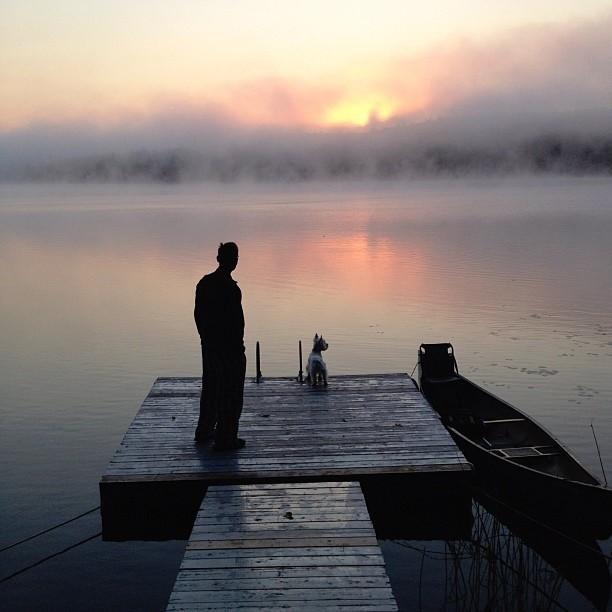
(220, 322)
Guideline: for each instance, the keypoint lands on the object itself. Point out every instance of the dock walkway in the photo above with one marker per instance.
(269, 547)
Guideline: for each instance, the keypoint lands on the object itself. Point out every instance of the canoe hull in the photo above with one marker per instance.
(514, 457)
(567, 504)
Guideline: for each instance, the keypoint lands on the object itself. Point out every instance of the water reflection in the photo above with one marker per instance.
(510, 563)
(539, 555)
(515, 273)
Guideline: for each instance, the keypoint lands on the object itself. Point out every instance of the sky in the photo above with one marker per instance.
(307, 65)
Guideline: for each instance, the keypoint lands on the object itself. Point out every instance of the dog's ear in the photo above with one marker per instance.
(316, 337)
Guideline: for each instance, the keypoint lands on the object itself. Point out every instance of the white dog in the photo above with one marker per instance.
(316, 369)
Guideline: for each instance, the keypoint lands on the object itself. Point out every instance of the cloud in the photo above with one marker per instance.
(275, 101)
(552, 68)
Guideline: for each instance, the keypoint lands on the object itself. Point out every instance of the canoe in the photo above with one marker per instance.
(510, 451)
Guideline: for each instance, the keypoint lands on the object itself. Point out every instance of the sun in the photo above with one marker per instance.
(359, 112)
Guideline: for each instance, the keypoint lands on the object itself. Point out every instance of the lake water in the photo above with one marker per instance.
(98, 286)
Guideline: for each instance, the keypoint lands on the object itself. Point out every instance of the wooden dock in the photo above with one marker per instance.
(283, 546)
(360, 428)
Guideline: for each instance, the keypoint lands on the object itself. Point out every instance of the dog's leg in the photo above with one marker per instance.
(312, 374)
(325, 377)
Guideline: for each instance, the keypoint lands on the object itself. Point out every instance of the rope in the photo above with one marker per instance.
(49, 529)
(415, 367)
(40, 561)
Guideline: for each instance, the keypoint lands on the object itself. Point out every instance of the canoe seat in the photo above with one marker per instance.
(526, 451)
(501, 421)
(465, 422)
(504, 433)
(438, 364)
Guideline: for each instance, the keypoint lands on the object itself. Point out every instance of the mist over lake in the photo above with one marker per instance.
(98, 301)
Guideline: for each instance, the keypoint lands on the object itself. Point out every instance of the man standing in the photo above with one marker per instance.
(220, 322)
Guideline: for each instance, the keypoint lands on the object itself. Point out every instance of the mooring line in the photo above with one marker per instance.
(49, 529)
(40, 561)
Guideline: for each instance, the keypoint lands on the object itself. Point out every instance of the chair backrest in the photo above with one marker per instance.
(437, 360)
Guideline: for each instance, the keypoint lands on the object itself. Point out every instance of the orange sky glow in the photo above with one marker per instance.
(312, 65)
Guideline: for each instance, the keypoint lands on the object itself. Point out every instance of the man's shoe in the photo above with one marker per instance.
(237, 444)
(204, 437)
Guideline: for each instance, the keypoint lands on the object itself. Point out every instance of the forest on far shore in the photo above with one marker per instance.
(547, 154)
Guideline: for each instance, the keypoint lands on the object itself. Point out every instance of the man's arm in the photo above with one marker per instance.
(198, 311)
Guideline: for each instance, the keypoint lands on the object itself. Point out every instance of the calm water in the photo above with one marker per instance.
(97, 301)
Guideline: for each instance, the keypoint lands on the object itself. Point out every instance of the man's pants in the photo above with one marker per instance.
(222, 394)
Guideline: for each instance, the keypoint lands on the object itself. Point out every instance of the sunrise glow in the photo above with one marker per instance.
(359, 112)
(267, 63)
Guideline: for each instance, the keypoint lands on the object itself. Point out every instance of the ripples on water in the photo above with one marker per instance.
(98, 298)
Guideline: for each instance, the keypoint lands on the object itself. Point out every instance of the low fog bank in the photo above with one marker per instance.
(176, 147)
(386, 153)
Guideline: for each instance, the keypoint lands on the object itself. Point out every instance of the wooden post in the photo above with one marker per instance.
(301, 373)
(257, 363)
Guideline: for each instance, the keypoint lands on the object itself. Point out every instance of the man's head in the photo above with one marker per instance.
(227, 256)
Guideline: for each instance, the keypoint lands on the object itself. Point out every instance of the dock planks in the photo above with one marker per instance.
(358, 428)
(307, 546)
(358, 425)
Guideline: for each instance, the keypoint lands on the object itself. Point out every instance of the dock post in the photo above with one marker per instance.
(257, 362)
(301, 373)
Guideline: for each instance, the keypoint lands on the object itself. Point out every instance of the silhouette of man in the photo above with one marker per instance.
(220, 322)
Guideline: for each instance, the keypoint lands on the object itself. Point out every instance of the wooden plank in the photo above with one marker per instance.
(344, 528)
(265, 596)
(267, 516)
(274, 562)
(372, 459)
(310, 563)
(271, 471)
(346, 551)
(303, 582)
(283, 572)
(254, 476)
(281, 542)
(379, 606)
(245, 522)
(268, 502)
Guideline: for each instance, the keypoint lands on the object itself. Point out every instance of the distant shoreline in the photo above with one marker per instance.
(544, 155)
